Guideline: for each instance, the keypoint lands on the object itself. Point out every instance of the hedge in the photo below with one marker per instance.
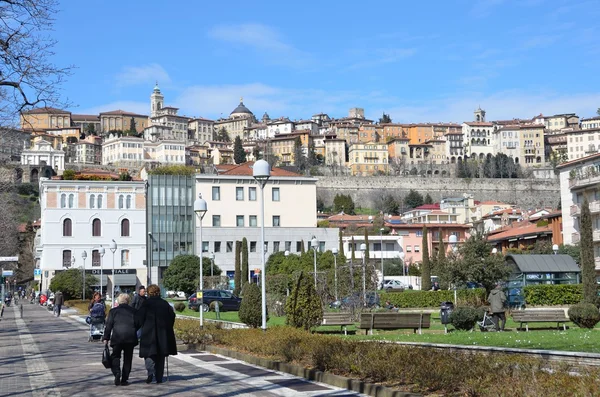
(552, 295)
(421, 299)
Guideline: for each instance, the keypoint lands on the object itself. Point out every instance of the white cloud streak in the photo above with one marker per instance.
(142, 75)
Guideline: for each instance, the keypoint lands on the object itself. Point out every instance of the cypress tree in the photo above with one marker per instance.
(425, 265)
(353, 257)
(239, 155)
(250, 312)
(367, 253)
(302, 247)
(341, 249)
(237, 277)
(303, 308)
(245, 270)
(588, 271)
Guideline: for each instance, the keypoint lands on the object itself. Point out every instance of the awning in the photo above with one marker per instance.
(104, 280)
(544, 263)
(125, 280)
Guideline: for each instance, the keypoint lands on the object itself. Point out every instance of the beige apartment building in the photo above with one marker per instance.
(335, 152)
(200, 130)
(368, 159)
(41, 119)
(582, 143)
(590, 123)
(532, 143)
(120, 120)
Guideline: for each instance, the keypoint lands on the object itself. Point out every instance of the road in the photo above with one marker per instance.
(41, 355)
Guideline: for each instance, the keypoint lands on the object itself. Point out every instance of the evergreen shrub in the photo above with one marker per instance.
(585, 315)
(250, 312)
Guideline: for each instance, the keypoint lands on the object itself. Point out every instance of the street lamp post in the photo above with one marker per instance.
(314, 243)
(555, 249)
(102, 252)
(381, 252)
(363, 248)
(200, 209)
(212, 264)
(113, 248)
(83, 256)
(402, 255)
(261, 171)
(335, 254)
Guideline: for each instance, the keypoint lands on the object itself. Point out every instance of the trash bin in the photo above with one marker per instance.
(445, 310)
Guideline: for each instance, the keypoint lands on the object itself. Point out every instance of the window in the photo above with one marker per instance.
(252, 246)
(417, 248)
(99, 201)
(239, 193)
(96, 228)
(67, 228)
(252, 193)
(376, 246)
(124, 258)
(419, 233)
(63, 200)
(67, 258)
(275, 194)
(298, 246)
(93, 201)
(95, 258)
(71, 200)
(389, 246)
(205, 246)
(216, 220)
(408, 248)
(239, 220)
(216, 193)
(276, 221)
(217, 246)
(128, 202)
(252, 221)
(275, 246)
(125, 228)
(321, 246)
(229, 246)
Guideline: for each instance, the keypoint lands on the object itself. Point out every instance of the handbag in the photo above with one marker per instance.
(106, 361)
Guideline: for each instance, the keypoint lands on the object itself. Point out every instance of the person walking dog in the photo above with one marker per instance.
(120, 330)
(156, 318)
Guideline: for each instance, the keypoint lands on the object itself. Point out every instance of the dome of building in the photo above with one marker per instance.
(241, 110)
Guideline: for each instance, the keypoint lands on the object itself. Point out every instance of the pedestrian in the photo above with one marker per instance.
(120, 330)
(58, 302)
(497, 301)
(140, 298)
(156, 318)
(436, 286)
(96, 307)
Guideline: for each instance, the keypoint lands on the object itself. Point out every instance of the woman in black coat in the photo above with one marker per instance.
(156, 318)
(120, 330)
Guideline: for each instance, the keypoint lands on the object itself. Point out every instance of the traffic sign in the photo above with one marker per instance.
(7, 273)
(37, 272)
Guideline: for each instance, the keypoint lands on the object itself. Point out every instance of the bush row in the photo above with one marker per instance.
(407, 368)
(420, 299)
(551, 295)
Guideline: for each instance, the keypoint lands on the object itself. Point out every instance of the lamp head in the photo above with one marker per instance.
(212, 255)
(363, 247)
(102, 251)
(261, 171)
(555, 248)
(113, 246)
(286, 253)
(314, 243)
(334, 251)
(200, 206)
(84, 254)
(495, 251)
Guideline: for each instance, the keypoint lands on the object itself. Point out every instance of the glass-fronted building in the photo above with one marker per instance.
(170, 221)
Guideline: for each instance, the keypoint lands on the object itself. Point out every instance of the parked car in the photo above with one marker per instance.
(229, 302)
(393, 285)
(355, 299)
(175, 294)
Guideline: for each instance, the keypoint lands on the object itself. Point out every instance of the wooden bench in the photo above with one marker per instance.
(414, 321)
(540, 316)
(342, 319)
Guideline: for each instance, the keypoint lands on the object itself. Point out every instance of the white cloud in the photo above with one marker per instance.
(263, 39)
(128, 106)
(142, 75)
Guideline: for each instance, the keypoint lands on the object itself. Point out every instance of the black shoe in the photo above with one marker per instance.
(158, 381)
(124, 383)
(117, 380)
(149, 379)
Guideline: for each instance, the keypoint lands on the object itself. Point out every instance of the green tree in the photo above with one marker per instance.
(392, 267)
(413, 199)
(68, 175)
(69, 282)
(425, 265)
(574, 251)
(124, 176)
(428, 199)
(386, 203)
(222, 135)
(299, 159)
(132, 129)
(239, 155)
(598, 112)
(250, 312)
(303, 308)
(90, 129)
(367, 253)
(312, 155)
(588, 270)
(341, 241)
(183, 274)
(343, 202)
(245, 267)
(302, 250)
(385, 119)
(353, 257)
(237, 276)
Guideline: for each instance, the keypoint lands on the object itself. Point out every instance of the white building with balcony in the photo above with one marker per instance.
(83, 216)
(233, 202)
(578, 179)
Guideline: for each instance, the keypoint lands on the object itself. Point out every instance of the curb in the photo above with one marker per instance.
(343, 382)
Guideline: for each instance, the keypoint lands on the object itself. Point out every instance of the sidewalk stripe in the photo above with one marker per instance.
(41, 379)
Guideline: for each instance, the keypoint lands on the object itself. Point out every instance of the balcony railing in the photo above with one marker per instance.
(597, 262)
(596, 235)
(575, 238)
(583, 181)
(595, 206)
(575, 210)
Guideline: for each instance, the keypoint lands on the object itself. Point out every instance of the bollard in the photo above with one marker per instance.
(217, 311)
(21, 310)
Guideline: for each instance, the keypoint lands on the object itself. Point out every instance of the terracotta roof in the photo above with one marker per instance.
(582, 159)
(492, 202)
(46, 110)
(479, 123)
(518, 230)
(509, 211)
(435, 206)
(85, 117)
(245, 169)
(121, 113)
(428, 225)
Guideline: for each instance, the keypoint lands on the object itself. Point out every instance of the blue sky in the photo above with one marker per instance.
(418, 61)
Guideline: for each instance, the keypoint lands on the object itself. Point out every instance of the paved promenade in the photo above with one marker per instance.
(41, 355)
